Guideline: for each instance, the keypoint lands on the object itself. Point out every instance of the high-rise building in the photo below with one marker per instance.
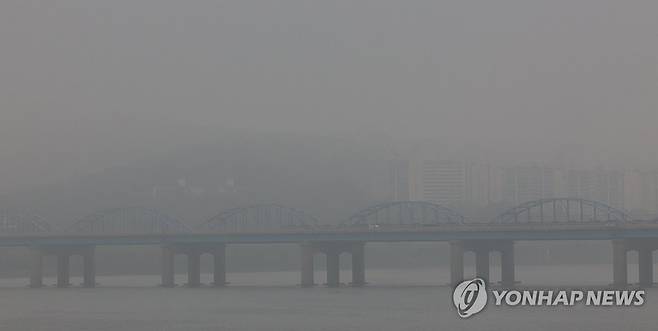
(641, 193)
(484, 185)
(443, 182)
(470, 184)
(601, 185)
(527, 183)
(448, 182)
(399, 177)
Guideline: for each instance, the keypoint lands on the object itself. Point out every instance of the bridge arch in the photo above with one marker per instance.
(128, 220)
(418, 213)
(561, 210)
(18, 221)
(261, 217)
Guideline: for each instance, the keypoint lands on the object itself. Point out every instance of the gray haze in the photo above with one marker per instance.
(87, 85)
(194, 107)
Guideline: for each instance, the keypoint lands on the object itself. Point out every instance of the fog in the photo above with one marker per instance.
(191, 108)
(90, 85)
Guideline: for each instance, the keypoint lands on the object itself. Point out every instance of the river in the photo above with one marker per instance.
(395, 300)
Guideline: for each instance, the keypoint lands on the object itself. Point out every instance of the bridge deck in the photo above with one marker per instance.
(525, 232)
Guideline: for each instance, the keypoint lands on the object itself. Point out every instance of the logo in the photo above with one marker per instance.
(470, 297)
(555, 297)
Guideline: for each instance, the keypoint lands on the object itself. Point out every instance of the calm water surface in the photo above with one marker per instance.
(395, 300)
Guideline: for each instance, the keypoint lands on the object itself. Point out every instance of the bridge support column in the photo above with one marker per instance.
(358, 264)
(645, 265)
(307, 253)
(482, 263)
(456, 262)
(36, 272)
(168, 266)
(219, 265)
(482, 250)
(333, 267)
(89, 268)
(619, 264)
(194, 268)
(63, 279)
(507, 264)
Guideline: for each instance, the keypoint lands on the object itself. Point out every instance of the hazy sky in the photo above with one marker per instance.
(88, 83)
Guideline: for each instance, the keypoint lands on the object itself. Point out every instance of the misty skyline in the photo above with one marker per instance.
(87, 85)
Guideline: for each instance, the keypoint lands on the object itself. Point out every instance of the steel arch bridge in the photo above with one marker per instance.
(17, 221)
(263, 217)
(405, 213)
(562, 210)
(128, 220)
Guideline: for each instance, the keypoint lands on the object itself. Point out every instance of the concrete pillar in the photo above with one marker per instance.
(456, 262)
(307, 253)
(194, 268)
(63, 269)
(619, 264)
(507, 264)
(645, 264)
(168, 266)
(89, 267)
(333, 268)
(482, 263)
(219, 265)
(36, 272)
(358, 265)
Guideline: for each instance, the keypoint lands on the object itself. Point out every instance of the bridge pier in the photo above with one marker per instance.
(482, 250)
(358, 265)
(193, 268)
(333, 250)
(644, 248)
(219, 265)
(507, 264)
(456, 262)
(63, 255)
(333, 267)
(36, 272)
(645, 265)
(482, 263)
(193, 253)
(89, 267)
(619, 264)
(168, 266)
(63, 270)
(307, 252)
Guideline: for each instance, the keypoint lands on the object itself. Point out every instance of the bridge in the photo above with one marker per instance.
(402, 221)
